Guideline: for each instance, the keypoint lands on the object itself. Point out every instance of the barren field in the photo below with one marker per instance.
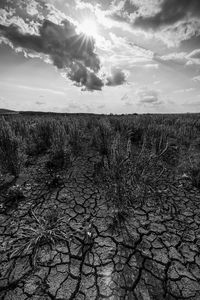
(100, 207)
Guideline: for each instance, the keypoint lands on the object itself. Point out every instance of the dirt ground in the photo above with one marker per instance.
(153, 253)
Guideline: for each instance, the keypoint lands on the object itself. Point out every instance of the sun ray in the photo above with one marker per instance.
(89, 28)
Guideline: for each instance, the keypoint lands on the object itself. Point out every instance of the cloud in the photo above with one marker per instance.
(180, 91)
(67, 49)
(171, 11)
(175, 56)
(34, 88)
(83, 77)
(125, 54)
(117, 77)
(192, 103)
(39, 102)
(101, 106)
(195, 54)
(155, 14)
(182, 58)
(126, 100)
(151, 66)
(58, 42)
(169, 20)
(194, 57)
(149, 97)
(61, 42)
(196, 78)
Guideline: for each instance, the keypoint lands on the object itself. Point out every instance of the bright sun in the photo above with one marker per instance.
(89, 28)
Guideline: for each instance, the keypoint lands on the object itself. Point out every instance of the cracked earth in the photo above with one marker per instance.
(153, 253)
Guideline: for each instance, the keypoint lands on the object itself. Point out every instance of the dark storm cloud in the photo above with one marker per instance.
(170, 12)
(65, 46)
(117, 77)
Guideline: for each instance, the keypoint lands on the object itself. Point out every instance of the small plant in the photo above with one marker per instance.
(45, 230)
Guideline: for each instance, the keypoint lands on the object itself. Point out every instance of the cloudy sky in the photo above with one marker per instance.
(101, 56)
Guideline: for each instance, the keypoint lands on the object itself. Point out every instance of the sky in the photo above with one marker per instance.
(100, 56)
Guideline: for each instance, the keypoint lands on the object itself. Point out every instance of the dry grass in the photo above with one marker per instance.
(45, 230)
(11, 150)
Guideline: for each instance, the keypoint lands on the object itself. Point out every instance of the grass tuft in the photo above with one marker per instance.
(45, 230)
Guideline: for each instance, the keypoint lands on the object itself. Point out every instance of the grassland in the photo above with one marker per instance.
(99, 207)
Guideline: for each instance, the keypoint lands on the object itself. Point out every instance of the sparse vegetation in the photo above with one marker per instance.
(102, 138)
(45, 230)
(79, 191)
(41, 134)
(11, 150)
(75, 137)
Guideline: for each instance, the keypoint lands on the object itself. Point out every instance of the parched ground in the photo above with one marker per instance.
(153, 253)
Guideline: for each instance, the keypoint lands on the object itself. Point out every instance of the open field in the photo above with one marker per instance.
(100, 207)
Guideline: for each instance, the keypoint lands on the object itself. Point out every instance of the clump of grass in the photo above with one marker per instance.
(131, 178)
(102, 138)
(116, 173)
(162, 144)
(75, 137)
(20, 127)
(11, 150)
(59, 154)
(41, 133)
(45, 230)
